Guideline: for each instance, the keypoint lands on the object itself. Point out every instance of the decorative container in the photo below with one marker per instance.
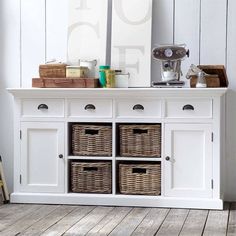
(76, 71)
(91, 140)
(52, 70)
(141, 179)
(91, 177)
(140, 140)
(65, 83)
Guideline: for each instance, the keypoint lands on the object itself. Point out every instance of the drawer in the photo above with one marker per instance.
(189, 108)
(138, 108)
(91, 108)
(42, 108)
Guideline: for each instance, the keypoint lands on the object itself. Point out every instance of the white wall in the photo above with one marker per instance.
(206, 26)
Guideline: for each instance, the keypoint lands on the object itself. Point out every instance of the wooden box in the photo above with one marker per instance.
(65, 82)
(52, 70)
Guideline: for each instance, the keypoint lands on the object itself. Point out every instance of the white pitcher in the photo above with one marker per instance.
(91, 66)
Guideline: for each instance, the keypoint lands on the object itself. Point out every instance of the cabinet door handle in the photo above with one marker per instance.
(89, 107)
(42, 106)
(167, 158)
(188, 107)
(60, 156)
(138, 107)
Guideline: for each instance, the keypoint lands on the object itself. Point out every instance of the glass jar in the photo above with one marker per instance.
(102, 75)
(110, 78)
(201, 80)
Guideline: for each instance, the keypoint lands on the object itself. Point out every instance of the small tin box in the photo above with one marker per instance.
(76, 71)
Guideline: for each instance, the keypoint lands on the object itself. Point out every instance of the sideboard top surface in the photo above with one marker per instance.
(116, 92)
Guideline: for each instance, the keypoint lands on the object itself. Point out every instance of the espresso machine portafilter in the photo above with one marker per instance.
(170, 57)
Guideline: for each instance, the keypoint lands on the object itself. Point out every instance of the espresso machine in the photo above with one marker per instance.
(170, 57)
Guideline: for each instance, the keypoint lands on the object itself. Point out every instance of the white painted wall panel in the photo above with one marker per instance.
(213, 32)
(131, 40)
(187, 29)
(162, 30)
(56, 30)
(87, 30)
(32, 39)
(231, 105)
(9, 77)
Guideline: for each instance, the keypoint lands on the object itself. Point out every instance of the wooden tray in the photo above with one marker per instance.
(216, 70)
(65, 82)
(213, 81)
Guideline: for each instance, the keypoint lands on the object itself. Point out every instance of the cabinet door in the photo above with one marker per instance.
(41, 168)
(188, 160)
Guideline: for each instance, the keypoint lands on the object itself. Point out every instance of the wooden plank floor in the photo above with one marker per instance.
(34, 219)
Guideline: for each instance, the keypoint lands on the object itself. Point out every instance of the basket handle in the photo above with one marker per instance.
(90, 169)
(91, 131)
(139, 170)
(140, 131)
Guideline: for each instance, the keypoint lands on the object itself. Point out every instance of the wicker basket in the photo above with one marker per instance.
(140, 140)
(142, 179)
(89, 177)
(52, 70)
(91, 140)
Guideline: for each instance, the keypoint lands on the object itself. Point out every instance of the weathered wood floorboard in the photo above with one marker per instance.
(232, 220)
(68, 221)
(217, 222)
(195, 222)
(89, 221)
(173, 222)
(151, 223)
(57, 220)
(108, 223)
(130, 222)
(51, 217)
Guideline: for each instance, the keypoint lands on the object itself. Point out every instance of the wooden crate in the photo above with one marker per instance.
(65, 82)
(52, 70)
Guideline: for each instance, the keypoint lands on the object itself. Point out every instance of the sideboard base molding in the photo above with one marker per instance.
(117, 200)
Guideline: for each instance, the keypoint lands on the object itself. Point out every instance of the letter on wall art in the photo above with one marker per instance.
(87, 30)
(131, 39)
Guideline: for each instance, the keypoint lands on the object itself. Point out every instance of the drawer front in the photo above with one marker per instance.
(189, 108)
(98, 108)
(138, 108)
(42, 108)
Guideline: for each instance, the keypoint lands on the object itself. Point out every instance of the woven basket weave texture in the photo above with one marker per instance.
(140, 140)
(142, 179)
(88, 177)
(91, 140)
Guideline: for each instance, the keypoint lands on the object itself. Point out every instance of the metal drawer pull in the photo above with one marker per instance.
(60, 156)
(138, 107)
(43, 106)
(188, 107)
(90, 107)
(167, 158)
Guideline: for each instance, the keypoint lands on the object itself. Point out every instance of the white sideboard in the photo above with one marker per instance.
(193, 143)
